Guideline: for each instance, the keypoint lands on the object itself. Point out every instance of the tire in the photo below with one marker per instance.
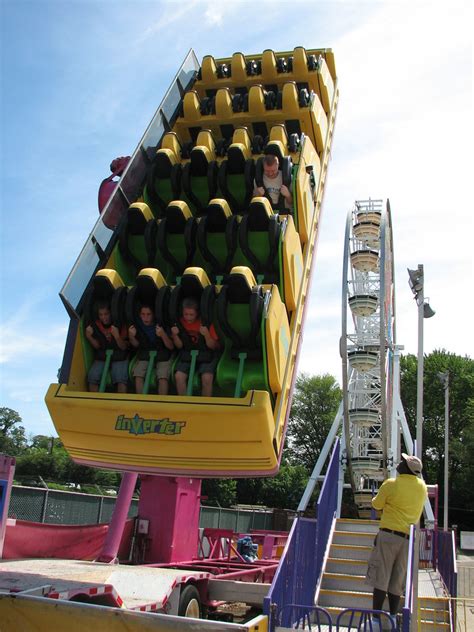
(190, 603)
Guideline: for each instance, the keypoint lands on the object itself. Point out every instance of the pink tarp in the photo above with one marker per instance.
(79, 542)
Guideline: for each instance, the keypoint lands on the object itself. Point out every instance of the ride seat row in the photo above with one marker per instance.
(224, 105)
(197, 180)
(217, 242)
(270, 65)
(311, 68)
(238, 311)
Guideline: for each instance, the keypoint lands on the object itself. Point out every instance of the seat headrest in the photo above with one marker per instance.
(236, 157)
(193, 281)
(278, 132)
(260, 212)
(177, 214)
(241, 135)
(105, 282)
(276, 148)
(218, 212)
(138, 216)
(150, 277)
(164, 161)
(200, 159)
(239, 284)
(171, 141)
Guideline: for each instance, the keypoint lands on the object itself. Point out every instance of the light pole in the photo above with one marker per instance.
(416, 282)
(444, 379)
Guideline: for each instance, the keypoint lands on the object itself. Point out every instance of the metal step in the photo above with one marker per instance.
(350, 551)
(353, 537)
(438, 614)
(430, 626)
(346, 566)
(345, 599)
(366, 526)
(338, 581)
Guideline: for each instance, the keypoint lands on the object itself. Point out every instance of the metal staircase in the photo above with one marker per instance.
(343, 580)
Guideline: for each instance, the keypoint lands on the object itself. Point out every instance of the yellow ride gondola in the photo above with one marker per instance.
(183, 222)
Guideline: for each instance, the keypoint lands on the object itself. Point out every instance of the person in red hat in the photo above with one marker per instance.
(401, 502)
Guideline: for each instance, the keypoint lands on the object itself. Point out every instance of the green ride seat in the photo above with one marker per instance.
(199, 174)
(163, 182)
(240, 310)
(194, 283)
(260, 233)
(172, 242)
(217, 238)
(106, 287)
(131, 253)
(236, 177)
(150, 289)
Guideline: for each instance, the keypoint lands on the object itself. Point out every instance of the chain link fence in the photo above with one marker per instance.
(58, 507)
(73, 508)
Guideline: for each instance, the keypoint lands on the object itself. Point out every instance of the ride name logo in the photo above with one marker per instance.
(138, 426)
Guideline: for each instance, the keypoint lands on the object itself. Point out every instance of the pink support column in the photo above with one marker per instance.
(119, 518)
(7, 469)
(169, 510)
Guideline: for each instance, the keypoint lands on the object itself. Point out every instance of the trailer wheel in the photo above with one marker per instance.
(190, 603)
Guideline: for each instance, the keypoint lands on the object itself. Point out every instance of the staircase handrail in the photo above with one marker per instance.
(315, 474)
(407, 612)
(447, 567)
(301, 564)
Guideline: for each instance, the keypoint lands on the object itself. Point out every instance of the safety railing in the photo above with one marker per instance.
(407, 612)
(310, 618)
(301, 565)
(365, 620)
(447, 567)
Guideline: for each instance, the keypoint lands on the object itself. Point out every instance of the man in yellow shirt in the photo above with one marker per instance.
(401, 501)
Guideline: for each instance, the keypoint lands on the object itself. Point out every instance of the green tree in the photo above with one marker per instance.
(461, 422)
(282, 491)
(220, 491)
(12, 433)
(315, 403)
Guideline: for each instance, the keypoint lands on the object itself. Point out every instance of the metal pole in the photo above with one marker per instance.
(446, 449)
(420, 299)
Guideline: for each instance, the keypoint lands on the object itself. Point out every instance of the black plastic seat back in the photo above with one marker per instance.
(176, 237)
(236, 179)
(243, 334)
(199, 179)
(163, 182)
(259, 238)
(217, 237)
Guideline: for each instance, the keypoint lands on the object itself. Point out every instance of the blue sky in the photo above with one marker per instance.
(81, 80)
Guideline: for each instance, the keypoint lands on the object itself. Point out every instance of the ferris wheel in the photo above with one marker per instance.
(367, 347)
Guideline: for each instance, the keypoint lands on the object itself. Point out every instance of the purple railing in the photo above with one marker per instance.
(301, 564)
(407, 611)
(447, 560)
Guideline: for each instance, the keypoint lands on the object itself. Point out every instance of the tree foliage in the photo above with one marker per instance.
(12, 433)
(461, 424)
(283, 490)
(315, 403)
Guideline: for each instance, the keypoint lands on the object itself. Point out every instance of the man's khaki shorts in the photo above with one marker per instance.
(163, 369)
(387, 565)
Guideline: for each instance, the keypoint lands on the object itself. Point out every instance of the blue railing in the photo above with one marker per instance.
(447, 568)
(307, 618)
(300, 568)
(407, 612)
